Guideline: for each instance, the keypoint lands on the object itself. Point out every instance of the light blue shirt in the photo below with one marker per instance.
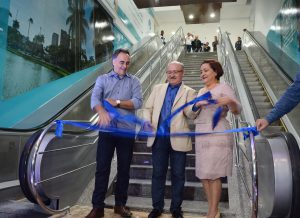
(110, 85)
(287, 102)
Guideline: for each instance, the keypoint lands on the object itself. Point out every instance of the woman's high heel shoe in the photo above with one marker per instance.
(218, 215)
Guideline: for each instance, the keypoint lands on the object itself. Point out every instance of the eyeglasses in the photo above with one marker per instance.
(169, 72)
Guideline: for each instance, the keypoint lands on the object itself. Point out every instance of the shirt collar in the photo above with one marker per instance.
(114, 74)
(175, 86)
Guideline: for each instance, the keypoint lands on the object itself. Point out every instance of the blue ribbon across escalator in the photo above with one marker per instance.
(115, 115)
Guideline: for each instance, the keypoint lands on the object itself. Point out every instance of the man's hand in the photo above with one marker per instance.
(113, 102)
(261, 124)
(104, 118)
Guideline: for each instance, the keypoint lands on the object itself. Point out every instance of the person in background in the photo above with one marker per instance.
(164, 99)
(123, 91)
(197, 44)
(206, 47)
(162, 37)
(215, 43)
(238, 44)
(285, 104)
(188, 42)
(214, 153)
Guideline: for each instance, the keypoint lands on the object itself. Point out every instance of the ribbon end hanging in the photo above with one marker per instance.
(59, 128)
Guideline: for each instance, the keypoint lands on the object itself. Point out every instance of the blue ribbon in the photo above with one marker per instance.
(217, 117)
(114, 113)
(128, 132)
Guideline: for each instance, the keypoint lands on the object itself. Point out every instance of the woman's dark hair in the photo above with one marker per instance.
(216, 66)
(118, 51)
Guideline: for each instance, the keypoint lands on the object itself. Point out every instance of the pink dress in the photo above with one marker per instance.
(214, 152)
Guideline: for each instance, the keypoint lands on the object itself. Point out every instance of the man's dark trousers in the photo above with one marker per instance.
(161, 151)
(107, 143)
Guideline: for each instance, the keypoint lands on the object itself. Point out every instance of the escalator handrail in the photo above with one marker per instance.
(246, 87)
(159, 52)
(33, 175)
(153, 38)
(286, 75)
(236, 124)
(294, 151)
(234, 75)
(253, 194)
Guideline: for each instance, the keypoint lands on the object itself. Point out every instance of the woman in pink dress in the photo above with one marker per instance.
(214, 152)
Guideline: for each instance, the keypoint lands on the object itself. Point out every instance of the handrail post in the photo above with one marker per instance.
(35, 176)
(254, 177)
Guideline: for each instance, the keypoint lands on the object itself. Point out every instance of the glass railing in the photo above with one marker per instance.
(241, 146)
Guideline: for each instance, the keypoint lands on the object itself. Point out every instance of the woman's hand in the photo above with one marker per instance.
(231, 103)
(224, 101)
(200, 104)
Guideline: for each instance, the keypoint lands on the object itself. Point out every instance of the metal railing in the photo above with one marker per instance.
(233, 78)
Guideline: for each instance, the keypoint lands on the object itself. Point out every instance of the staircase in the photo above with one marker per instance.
(259, 95)
(139, 190)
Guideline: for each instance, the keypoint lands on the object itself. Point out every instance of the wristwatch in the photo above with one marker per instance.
(118, 102)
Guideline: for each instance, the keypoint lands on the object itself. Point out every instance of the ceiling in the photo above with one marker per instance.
(162, 3)
(201, 13)
(200, 9)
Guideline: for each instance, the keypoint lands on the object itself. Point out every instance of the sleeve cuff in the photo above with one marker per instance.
(195, 108)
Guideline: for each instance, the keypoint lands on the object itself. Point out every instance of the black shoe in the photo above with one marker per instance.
(96, 213)
(154, 213)
(177, 214)
(123, 211)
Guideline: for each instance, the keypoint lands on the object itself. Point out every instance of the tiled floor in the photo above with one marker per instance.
(82, 211)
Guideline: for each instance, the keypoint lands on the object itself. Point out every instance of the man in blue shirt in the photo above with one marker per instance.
(163, 100)
(285, 104)
(123, 91)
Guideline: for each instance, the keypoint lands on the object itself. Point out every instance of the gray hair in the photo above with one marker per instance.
(178, 63)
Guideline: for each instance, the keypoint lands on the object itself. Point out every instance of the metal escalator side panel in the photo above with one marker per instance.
(265, 171)
(33, 169)
(278, 176)
(294, 152)
(283, 182)
(64, 166)
(23, 166)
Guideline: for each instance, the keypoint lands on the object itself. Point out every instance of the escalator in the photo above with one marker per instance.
(12, 140)
(258, 94)
(273, 157)
(53, 171)
(276, 71)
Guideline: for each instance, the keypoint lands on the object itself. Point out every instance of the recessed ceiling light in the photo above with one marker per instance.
(191, 16)
(173, 32)
(212, 15)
